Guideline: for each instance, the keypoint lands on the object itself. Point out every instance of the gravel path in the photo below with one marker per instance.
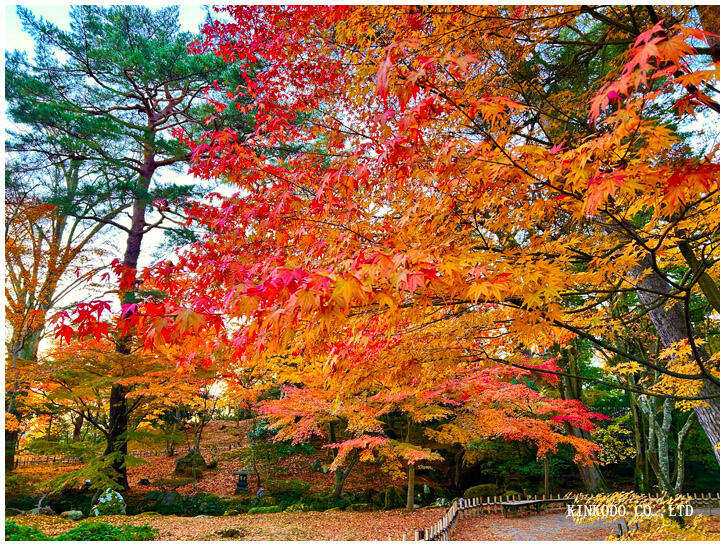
(551, 526)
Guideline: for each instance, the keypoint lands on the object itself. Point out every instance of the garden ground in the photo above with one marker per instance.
(351, 526)
(280, 526)
(552, 526)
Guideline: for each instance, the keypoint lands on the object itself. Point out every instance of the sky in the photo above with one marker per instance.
(15, 38)
(190, 18)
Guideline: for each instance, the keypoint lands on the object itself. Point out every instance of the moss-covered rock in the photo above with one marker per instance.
(361, 507)
(191, 464)
(265, 510)
(298, 507)
(393, 498)
(73, 515)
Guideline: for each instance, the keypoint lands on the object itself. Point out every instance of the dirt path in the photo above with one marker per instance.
(552, 526)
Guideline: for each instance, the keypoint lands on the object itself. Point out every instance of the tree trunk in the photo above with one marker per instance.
(341, 475)
(118, 420)
(570, 388)
(680, 472)
(640, 459)
(11, 443)
(77, 428)
(671, 328)
(546, 476)
(117, 440)
(458, 462)
(710, 21)
(410, 503)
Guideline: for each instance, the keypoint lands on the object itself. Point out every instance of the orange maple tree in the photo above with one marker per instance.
(442, 214)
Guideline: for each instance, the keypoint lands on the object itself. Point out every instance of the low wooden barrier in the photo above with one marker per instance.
(466, 508)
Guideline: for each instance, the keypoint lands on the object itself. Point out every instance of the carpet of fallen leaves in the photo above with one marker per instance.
(556, 526)
(298, 526)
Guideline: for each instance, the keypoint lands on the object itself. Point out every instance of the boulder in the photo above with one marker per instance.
(153, 495)
(73, 515)
(190, 464)
(42, 511)
(170, 498)
(393, 498)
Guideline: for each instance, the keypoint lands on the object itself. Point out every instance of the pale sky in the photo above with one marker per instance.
(191, 16)
(15, 38)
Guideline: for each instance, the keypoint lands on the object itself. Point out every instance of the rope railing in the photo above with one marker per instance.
(29, 460)
(443, 529)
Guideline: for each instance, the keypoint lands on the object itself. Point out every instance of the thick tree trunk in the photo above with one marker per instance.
(458, 462)
(710, 21)
(410, 502)
(11, 442)
(117, 440)
(669, 321)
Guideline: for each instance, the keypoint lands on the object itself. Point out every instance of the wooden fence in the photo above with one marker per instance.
(50, 459)
(465, 508)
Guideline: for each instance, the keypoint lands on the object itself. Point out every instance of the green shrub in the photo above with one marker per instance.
(15, 531)
(22, 502)
(511, 494)
(96, 530)
(272, 501)
(393, 498)
(291, 490)
(265, 510)
(484, 490)
(153, 495)
(110, 503)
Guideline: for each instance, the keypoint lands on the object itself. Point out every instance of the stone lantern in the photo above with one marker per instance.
(242, 482)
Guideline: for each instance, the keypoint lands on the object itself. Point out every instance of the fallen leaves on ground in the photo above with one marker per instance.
(296, 526)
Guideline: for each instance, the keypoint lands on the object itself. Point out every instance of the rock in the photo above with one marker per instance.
(170, 498)
(316, 466)
(73, 515)
(42, 511)
(231, 533)
(360, 507)
(393, 498)
(190, 464)
(153, 495)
